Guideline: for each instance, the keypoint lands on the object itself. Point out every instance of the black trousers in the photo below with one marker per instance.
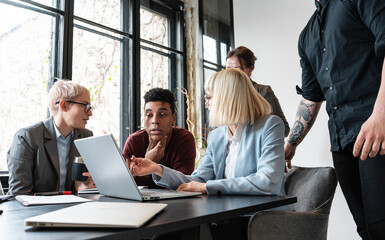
(363, 185)
(232, 229)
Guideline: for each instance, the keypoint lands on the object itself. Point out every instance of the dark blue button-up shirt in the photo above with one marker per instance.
(342, 51)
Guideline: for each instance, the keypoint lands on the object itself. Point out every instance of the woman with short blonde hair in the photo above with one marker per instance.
(63, 90)
(244, 59)
(236, 101)
(41, 156)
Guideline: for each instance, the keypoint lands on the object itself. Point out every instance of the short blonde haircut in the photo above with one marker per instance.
(63, 90)
(235, 100)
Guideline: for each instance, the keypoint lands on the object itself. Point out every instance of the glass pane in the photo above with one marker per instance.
(154, 72)
(96, 65)
(153, 27)
(213, 67)
(210, 49)
(105, 12)
(217, 27)
(50, 3)
(206, 126)
(25, 64)
(224, 50)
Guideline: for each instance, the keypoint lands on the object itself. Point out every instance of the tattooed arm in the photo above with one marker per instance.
(306, 115)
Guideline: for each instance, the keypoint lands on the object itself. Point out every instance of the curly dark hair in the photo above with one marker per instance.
(163, 95)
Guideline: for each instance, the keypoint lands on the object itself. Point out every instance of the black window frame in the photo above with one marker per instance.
(130, 111)
(205, 64)
(174, 11)
(131, 45)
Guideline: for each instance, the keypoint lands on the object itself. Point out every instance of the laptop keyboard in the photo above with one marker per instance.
(159, 192)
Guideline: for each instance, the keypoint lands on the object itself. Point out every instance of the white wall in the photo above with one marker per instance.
(270, 28)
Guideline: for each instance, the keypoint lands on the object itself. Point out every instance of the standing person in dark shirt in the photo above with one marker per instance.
(342, 52)
(243, 58)
(161, 141)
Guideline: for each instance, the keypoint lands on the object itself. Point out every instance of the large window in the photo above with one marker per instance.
(216, 24)
(162, 51)
(118, 49)
(97, 62)
(27, 43)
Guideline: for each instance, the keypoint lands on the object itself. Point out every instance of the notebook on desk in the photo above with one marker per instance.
(28, 200)
(99, 214)
(111, 174)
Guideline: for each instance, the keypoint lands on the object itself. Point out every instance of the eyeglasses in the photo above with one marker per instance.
(87, 107)
(207, 98)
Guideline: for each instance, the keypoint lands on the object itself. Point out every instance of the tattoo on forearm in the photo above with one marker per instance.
(304, 111)
(296, 133)
(299, 128)
(310, 122)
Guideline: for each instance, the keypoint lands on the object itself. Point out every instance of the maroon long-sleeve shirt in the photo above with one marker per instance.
(179, 154)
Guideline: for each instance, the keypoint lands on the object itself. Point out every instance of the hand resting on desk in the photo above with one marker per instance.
(193, 186)
(87, 184)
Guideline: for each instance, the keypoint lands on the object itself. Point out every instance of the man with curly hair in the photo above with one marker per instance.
(161, 141)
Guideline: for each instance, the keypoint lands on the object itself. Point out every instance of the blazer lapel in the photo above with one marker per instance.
(50, 144)
(222, 153)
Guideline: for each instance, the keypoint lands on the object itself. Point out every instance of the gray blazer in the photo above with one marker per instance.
(267, 92)
(33, 159)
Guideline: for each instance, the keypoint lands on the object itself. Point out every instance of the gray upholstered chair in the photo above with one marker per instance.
(314, 188)
(1, 189)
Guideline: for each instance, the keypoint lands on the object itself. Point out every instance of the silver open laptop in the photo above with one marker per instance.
(111, 174)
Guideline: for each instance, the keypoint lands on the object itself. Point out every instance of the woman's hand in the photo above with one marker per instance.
(193, 186)
(143, 166)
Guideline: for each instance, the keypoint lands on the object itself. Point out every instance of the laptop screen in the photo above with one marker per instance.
(107, 167)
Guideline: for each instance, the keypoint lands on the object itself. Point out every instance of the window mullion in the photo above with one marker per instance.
(125, 78)
(135, 76)
(66, 41)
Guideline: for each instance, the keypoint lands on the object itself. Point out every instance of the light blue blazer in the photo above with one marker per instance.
(259, 168)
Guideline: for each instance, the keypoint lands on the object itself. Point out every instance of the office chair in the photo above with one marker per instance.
(1, 189)
(314, 188)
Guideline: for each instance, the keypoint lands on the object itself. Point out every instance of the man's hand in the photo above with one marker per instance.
(371, 138)
(289, 154)
(193, 186)
(89, 183)
(155, 150)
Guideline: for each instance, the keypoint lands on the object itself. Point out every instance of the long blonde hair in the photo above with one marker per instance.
(235, 100)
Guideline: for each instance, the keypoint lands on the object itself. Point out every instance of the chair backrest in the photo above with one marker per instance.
(1, 189)
(314, 188)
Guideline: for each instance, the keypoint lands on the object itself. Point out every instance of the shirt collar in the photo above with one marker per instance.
(237, 135)
(321, 3)
(58, 134)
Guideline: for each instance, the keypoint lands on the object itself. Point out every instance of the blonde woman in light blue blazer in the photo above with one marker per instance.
(244, 153)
